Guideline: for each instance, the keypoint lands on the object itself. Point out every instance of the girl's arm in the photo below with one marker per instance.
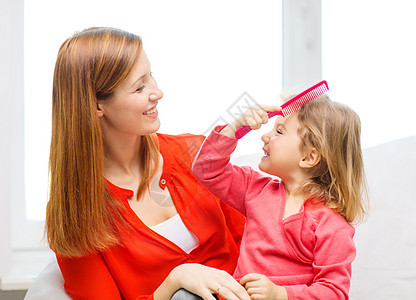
(253, 117)
(212, 166)
(334, 253)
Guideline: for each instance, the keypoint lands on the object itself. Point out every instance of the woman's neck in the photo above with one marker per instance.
(121, 155)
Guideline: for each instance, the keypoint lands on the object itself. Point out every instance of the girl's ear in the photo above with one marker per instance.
(100, 110)
(311, 159)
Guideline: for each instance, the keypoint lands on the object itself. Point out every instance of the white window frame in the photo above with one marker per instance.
(19, 263)
(11, 121)
(301, 64)
(302, 43)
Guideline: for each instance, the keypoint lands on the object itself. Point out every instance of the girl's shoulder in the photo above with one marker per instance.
(324, 218)
(318, 228)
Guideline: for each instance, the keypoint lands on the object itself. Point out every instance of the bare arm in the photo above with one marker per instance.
(253, 117)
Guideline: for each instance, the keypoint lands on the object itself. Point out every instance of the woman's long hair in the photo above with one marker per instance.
(82, 217)
(334, 130)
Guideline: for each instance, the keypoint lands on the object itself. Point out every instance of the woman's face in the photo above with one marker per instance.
(133, 107)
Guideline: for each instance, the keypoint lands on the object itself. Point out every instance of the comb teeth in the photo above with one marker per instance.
(298, 101)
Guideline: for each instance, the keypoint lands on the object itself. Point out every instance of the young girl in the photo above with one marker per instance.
(298, 240)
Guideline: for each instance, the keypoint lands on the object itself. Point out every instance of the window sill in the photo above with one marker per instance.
(25, 267)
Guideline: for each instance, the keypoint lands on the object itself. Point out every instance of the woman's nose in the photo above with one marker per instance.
(156, 93)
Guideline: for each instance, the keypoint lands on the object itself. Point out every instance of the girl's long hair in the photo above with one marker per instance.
(334, 130)
(82, 215)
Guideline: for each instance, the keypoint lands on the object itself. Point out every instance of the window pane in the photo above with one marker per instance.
(369, 61)
(204, 55)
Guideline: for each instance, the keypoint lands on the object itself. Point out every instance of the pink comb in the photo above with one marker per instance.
(292, 105)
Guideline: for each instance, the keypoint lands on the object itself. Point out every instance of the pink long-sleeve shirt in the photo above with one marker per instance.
(309, 253)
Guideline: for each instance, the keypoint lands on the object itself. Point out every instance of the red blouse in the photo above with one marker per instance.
(136, 269)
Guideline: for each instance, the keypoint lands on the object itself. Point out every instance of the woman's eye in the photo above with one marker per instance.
(140, 89)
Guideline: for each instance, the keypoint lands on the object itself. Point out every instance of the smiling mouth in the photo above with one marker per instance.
(150, 111)
(266, 154)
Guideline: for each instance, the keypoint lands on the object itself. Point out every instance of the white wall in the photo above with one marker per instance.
(204, 56)
(242, 45)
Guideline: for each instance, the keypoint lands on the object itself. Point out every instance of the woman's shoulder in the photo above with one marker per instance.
(183, 137)
(180, 147)
(184, 141)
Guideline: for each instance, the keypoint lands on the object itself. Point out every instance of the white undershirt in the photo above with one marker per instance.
(175, 230)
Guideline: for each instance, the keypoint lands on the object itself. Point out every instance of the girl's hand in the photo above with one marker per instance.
(202, 281)
(253, 117)
(260, 287)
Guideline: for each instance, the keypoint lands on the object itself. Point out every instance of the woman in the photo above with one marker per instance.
(126, 217)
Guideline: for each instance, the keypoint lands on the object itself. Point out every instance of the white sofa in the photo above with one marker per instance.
(385, 267)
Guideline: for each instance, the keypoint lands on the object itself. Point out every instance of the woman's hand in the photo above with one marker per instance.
(260, 287)
(253, 117)
(202, 281)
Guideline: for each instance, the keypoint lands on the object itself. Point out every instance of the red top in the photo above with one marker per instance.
(136, 269)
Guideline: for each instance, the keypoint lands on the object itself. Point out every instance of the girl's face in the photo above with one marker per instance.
(132, 109)
(281, 148)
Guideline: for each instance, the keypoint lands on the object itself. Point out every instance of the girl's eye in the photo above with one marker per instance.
(278, 131)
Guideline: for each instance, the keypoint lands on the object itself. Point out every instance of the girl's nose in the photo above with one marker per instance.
(265, 138)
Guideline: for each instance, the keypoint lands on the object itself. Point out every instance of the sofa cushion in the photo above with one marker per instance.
(385, 267)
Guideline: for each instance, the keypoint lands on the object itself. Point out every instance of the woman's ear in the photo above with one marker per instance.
(100, 110)
(311, 159)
